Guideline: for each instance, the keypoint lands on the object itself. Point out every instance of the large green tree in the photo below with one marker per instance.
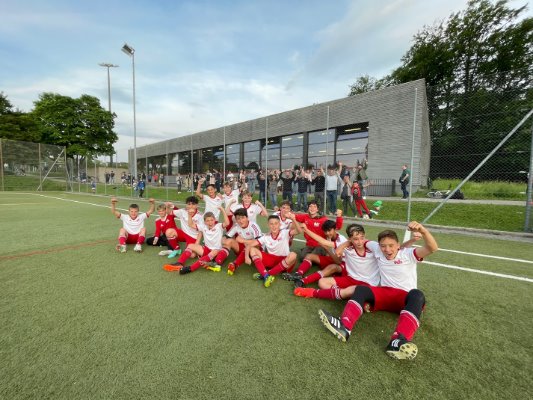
(16, 125)
(478, 67)
(82, 125)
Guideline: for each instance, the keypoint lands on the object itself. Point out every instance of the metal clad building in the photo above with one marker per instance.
(376, 125)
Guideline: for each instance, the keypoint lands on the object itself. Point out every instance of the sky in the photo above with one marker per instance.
(203, 64)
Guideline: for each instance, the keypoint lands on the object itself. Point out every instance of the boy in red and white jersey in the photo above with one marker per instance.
(359, 267)
(330, 264)
(230, 194)
(313, 220)
(133, 230)
(284, 210)
(252, 209)
(190, 219)
(277, 255)
(398, 293)
(162, 224)
(243, 230)
(211, 231)
(213, 200)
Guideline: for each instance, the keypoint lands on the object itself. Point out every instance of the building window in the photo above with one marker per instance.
(233, 157)
(352, 144)
(321, 148)
(252, 154)
(270, 156)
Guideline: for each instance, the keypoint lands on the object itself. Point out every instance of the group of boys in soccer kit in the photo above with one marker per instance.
(373, 275)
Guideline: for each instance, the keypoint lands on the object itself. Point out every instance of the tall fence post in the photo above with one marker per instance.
(1, 165)
(527, 226)
(40, 168)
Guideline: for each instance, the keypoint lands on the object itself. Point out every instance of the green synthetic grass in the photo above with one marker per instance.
(82, 321)
(501, 190)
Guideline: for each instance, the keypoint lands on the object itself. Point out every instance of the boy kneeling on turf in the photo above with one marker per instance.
(397, 293)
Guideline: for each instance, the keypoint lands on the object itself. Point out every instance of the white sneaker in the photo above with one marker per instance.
(121, 248)
(164, 252)
(138, 248)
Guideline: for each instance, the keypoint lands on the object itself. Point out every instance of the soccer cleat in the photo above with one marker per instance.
(174, 253)
(291, 277)
(214, 268)
(164, 252)
(334, 325)
(231, 269)
(257, 276)
(138, 248)
(401, 349)
(304, 292)
(121, 248)
(268, 280)
(298, 283)
(172, 267)
(185, 270)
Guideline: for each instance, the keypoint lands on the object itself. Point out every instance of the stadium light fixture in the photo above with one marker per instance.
(130, 51)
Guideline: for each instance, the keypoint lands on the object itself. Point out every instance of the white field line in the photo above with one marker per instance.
(478, 271)
(518, 278)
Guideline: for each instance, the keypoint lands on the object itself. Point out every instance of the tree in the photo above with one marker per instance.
(15, 124)
(368, 83)
(477, 65)
(82, 125)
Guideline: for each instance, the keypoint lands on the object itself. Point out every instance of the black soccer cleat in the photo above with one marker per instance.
(334, 325)
(401, 349)
(291, 277)
(298, 283)
(185, 270)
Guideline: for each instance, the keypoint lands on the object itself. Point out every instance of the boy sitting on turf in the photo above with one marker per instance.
(162, 225)
(243, 230)
(397, 293)
(278, 256)
(189, 219)
(133, 230)
(253, 210)
(330, 264)
(211, 231)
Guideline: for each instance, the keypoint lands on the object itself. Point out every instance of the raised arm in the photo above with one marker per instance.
(199, 187)
(152, 206)
(430, 244)
(264, 211)
(114, 201)
(225, 222)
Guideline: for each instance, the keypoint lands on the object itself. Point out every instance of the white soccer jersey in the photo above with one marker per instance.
(234, 195)
(253, 210)
(252, 231)
(212, 204)
(213, 236)
(285, 223)
(133, 226)
(399, 273)
(276, 245)
(363, 267)
(183, 216)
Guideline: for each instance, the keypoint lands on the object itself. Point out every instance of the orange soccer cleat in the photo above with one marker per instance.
(172, 267)
(303, 292)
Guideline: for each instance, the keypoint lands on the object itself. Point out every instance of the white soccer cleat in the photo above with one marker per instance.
(138, 248)
(121, 248)
(164, 252)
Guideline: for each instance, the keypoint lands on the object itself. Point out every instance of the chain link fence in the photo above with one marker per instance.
(32, 166)
(481, 143)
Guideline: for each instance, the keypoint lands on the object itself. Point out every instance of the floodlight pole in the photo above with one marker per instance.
(130, 51)
(109, 65)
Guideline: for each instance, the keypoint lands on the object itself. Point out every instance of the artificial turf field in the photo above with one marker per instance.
(81, 321)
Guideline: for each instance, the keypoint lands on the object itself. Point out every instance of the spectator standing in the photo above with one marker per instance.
(346, 196)
(404, 181)
(287, 179)
(262, 182)
(362, 176)
(332, 182)
(319, 181)
(303, 179)
(273, 179)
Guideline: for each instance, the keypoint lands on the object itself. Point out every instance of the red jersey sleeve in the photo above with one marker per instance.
(339, 221)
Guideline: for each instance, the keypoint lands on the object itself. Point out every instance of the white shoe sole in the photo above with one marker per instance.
(325, 321)
(407, 351)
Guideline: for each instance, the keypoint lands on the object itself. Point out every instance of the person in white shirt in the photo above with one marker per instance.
(133, 230)
(332, 182)
(213, 200)
(277, 255)
(398, 292)
(211, 232)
